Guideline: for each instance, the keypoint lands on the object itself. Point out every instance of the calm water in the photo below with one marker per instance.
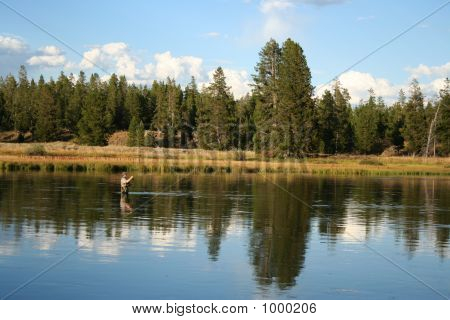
(223, 237)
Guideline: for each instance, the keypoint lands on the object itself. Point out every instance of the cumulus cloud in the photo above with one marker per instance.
(268, 6)
(322, 2)
(114, 55)
(424, 70)
(238, 80)
(12, 44)
(167, 65)
(278, 18)
(358, 84)
(48, 56)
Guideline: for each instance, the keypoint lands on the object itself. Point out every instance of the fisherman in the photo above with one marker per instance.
(125, 183)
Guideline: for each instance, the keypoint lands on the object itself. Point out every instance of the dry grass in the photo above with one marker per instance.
(63, 156)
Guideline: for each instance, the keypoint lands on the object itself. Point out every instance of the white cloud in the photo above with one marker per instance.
(117, 57)
(50, 50)
(167, 65)
(48, 61)
(358, 84)
(322, 2)
(49, 56)
(278, 18)
(268, 6)
(424, 70)
(114, 57)
(12, 44)
(238, 80)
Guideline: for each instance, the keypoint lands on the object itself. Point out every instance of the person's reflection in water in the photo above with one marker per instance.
(125, 206)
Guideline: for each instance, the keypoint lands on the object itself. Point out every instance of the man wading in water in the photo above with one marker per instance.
(125, 183)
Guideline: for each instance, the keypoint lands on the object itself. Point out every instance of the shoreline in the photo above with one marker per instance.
(69, 157)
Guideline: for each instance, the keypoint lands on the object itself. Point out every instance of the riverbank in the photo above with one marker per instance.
(63, 156)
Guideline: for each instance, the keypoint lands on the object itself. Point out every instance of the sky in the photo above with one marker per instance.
(148, 40)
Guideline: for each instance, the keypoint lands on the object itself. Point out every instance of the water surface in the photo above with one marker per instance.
(224, 237)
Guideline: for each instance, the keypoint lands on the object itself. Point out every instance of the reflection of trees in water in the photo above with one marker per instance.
(280, 229)
(330, 199)
(415, 209)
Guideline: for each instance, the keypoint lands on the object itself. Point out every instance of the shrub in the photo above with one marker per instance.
(371, 162)
(36, 150)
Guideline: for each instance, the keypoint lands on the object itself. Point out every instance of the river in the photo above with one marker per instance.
(73, 236)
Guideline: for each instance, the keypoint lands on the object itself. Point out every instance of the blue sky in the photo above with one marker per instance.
(148, 40)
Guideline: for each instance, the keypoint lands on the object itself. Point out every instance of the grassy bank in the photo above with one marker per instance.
(61, 156)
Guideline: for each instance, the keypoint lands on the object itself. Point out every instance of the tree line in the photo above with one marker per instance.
(280, 117)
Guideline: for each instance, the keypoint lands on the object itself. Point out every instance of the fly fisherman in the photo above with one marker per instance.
(125, 183)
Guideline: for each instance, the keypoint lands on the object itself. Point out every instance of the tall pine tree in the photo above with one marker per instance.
(92, 125)
(415, 129)
(294, 114)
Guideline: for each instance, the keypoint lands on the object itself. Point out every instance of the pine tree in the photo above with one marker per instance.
(22, 106)
(367, 123)
(123, 117)
(415, 129)
(396, 122)
(132, 132)
(112, 103)
(9, 91)
(46, 128)
(140, 134)
(343, 135)
(189, 114)
(63, 92)
(2, 109)
(245, 108)
(294, 115)
(174, 97)
(92, 125)
(217, 115)
(327, 122)
(443, 126)
(265, 92)
(75, 105)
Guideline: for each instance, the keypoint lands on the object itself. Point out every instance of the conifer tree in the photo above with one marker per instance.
(327, 123)
(132, 132)
(443, 126)
(123, 117)
(395, 123)
(112, 103)
(189, 114)
(92, 125)
(245, 108)
(22, 105)
(46, 128)
(295, 114)
(9, 91)
(265, 91)
(2, 111)
(76, 102)
(368, 126)
(217, 115)
(415, 129)
(62, 94)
